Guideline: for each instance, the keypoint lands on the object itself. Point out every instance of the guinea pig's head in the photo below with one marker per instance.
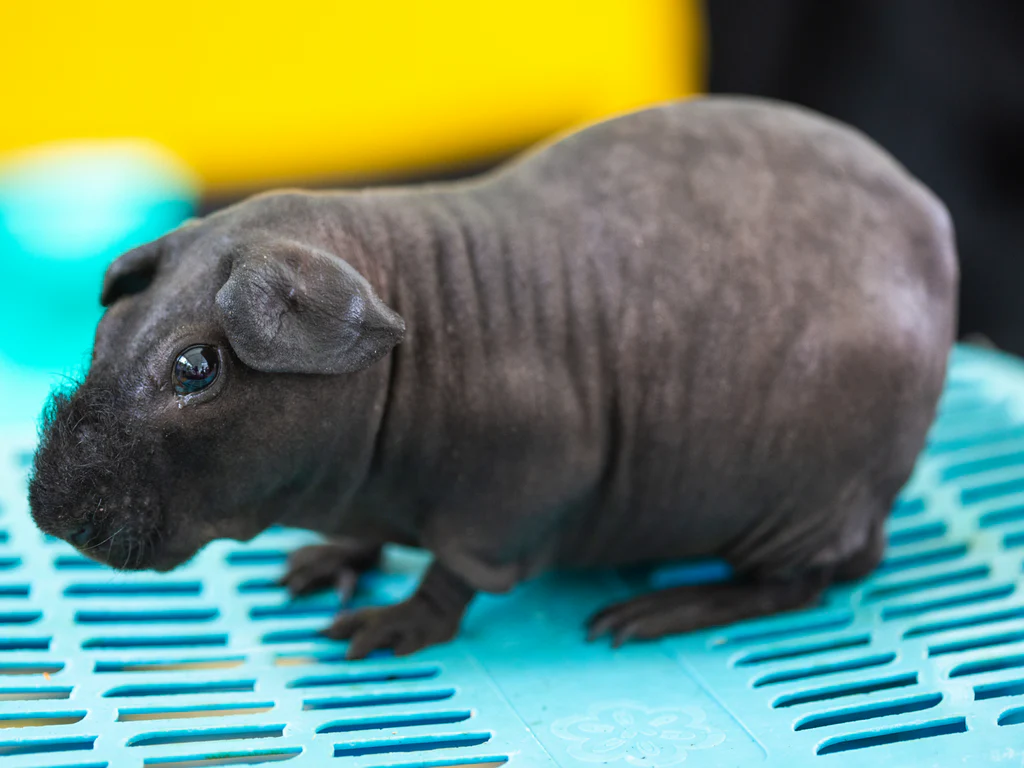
(234, 383)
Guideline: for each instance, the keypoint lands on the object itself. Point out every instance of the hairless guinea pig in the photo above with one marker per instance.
(715, 327)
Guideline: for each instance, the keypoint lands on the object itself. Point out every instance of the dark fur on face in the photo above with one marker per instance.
(138, 473)
(92, 461)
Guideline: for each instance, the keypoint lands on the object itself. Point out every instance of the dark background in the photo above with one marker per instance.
(939, 83)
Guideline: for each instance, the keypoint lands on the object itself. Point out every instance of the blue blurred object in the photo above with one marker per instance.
(65, 212)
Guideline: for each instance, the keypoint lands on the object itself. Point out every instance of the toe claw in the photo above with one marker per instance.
(347, 581)
(343, 627)
(365, 642)
(355, 652)
(598, 624)
(595, 630)
(621, 620)
(407, 646)
(295, 585)
(623, 635)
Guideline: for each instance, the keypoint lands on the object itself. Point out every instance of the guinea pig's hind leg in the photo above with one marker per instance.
(336, 564)
(431, 616)
(682, 609)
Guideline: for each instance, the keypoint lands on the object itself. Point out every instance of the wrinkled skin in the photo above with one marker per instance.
(713, 328)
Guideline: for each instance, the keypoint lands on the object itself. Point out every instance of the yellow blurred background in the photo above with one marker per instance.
(250, 95)
(122, 119)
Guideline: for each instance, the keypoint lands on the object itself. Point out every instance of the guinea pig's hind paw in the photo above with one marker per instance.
(321, 566)
(404, 628)
(683, 609)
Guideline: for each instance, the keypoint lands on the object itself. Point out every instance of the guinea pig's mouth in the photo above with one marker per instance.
(162, 547)
(123, 547)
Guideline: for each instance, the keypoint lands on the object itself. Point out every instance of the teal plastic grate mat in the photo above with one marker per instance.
(922, 664)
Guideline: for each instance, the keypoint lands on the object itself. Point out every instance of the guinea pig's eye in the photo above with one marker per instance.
(195, 369)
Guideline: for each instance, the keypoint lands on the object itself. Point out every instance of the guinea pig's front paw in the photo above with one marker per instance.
(337, 564)
(404, 628)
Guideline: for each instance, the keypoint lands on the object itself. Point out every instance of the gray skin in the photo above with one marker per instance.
(712, 328)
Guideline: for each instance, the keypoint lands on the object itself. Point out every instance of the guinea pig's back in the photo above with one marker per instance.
(688, 189)
(781, 299)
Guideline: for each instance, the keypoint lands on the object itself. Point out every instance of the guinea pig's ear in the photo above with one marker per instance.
(289, 308)
(130, 273)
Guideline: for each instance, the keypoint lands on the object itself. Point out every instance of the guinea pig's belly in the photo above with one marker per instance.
(643, 528)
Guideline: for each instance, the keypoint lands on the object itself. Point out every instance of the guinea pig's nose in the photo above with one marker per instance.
(82, 536)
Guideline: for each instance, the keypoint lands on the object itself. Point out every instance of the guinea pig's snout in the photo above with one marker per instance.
(94, 480)
(82, 536)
